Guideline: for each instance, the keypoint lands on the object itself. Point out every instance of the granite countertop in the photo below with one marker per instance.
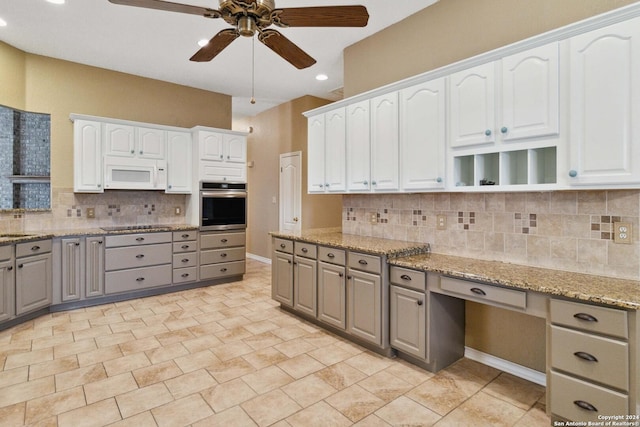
(590, 288)
(335, 238)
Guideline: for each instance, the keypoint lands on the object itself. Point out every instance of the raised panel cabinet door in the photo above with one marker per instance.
(530, 94)
(119, 140)
(422, 135)
(282, 278)
(94, 266)
(332, 294)
(72, 270)
(305, 286)
(605, 105)
(335, 150)
(235, 147)
(364, 306)
(33, 283)
(315, 148)
(179, 162)
(385, 145)
(87, 161)
(407, 321)
(151, 143)
(472, 107)
(358, 147)
(210, 146)
(7, 289)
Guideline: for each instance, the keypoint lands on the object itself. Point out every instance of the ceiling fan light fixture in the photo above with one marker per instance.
(246, 26)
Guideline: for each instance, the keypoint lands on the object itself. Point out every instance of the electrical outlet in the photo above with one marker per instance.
(622, 232)
(177, 210)
(373, 218)
(441, 222)
(91, 212)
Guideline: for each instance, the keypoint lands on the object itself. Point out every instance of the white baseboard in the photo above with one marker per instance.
(259, 258)
(506, 366)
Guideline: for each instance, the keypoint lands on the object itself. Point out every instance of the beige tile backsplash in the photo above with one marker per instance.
(567, 230)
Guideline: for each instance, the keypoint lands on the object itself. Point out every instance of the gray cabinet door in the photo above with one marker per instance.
(305, 286)
(364, 306)
(7, 288)
(33, 283)
(282, 280)
(407, 322)
(332, 294)
(71, 268)
(94, 267)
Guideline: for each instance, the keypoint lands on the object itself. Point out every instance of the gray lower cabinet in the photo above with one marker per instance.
(305, 278)
(33, 276)
(407, 321)
(7, 283)
(332, 288)
(282, 272)
(78, 267)
(222, 254)
(364, 303)
(185, 256)
(94, 266)
(72, 268)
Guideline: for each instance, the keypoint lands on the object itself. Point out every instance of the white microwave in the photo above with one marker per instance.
(124, 173)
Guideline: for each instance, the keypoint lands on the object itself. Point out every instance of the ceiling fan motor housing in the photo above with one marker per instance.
(247, 16)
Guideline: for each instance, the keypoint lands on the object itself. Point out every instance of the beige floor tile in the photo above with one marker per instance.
(193, 382)
(320, 338)
(227, 370)
(260, 327)
(369, 363)
(143, 419)
(13, 415)
(80, 376)
(97, 414)
(149, 330)
(206, 329)
(374, 421)
(115, 338)
(53, 404)
(29, 334)
(301, 366)
(404, 411)
(330, 354)
(156, 373)
(195, 361)
(289, 332)
(518, 392)
(128, 326)
(139, 345)
(26, 391)
(484, 410)
(99, 355)
(202, 342)
(126, 364)
(231, 350)
(295, 347)
(168, 352)
(535, 417)
(109, 387)
(174, 336)
(409, 373)
(232, 417)
(355, 402)
(106, 320)
(308, 390)
(28, 358)
(263, 340)
(52, 341)
(14, 376)
(385, 385)
(64, 364)
(267, 379)
(233, 334)
(143, 399)
(271, 407)
(182, 412)
(319, 415)
(265, 357)
(440, 394)
(71, 327)
(227, 395)
(94, 331)
(340, 375)
(137, 314)
(74, 348)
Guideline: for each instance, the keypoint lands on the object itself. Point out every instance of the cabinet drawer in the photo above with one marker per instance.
(221, 240)
(214, 271)
(183, 275)
(592, 357)
(185, 260)
(408, 278)
(137, 239)
(590, 318)
(363, 262)
(33, 248)
(6, 252)
(184, 247)
(567, 393)
(282, 245)
(481, 292)
(306, 250)
(137, 278)
(141, 256)
(332, 255)
(222, 255)
(181, 236)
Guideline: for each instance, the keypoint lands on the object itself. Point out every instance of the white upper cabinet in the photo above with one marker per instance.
(422, 136)
(151, 143)
(179, 162)
(87, 151)
(605, 106)
(223, 156)
(326, 145)
(123, 140)
(235, 147)
(210, 146)
(358, 147)
(384, 143)
(315, 148)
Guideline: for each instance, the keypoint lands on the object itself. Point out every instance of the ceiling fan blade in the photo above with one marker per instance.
(286, 49)
(322, 16)
(171, 7)
(215, 45)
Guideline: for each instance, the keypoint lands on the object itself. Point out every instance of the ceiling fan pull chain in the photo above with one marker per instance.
(253, 69)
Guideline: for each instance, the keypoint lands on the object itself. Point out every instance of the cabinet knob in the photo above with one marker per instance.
(305, 250)
(132, 151)
(228, 157)
(438, 179)
(99, 185)
(374, 183)
(365, 183)
(221, 157)
(573, 173)
(169, 186)
(99, 242)
(295, 219)
(419, 302)
(487, 132)
(282, 245)
(77, 244)
(141, 152)
(20, 265)
(504, 129)
(362, 262)
(330, 255)
(340, 274)
(327, 185)
(223, 255)
(9, 268)
(320, 185)
(288, 261)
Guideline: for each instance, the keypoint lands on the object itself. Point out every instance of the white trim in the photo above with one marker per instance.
(259, 258)
(506, 366)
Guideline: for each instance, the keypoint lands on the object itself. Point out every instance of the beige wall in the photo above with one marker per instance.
(279, 130)
(449, 31)
(12, 77)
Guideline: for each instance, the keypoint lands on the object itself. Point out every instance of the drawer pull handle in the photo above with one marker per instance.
(405, 277)
(185, 274)
(585, 405)
(185, 246)
(185, 259)
(140, 239)
(305, 250)
(223, 241)
(140, 279)
(585, 356)
(330, 255)
(140, 256)
(223, 270)
(77, 244)
(586, 317)
(419, 302)
(35, 248)
(363, 262)
(478, 291)
(184, 236)
(223, 255)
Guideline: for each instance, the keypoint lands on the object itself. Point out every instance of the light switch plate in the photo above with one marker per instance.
(622, 232)
(91, 212)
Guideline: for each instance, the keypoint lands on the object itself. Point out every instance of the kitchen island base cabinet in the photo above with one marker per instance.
(282, 278)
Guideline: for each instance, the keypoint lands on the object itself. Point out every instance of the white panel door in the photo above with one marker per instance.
(290, 192)
(358, 147)
(385, 166)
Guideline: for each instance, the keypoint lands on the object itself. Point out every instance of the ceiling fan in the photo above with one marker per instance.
(249, 17)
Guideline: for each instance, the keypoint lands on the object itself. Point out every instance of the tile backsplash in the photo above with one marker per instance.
(567, 230)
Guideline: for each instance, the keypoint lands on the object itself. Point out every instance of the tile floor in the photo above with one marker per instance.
(228, 356)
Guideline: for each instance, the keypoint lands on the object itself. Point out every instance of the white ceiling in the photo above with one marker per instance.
(158, 45)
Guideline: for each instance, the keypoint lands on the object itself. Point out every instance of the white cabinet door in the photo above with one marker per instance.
(72, 270)
(422, 135)
(7, 289)
(530, 94)
(335, 150)
(384, 143)
(315, 158)
(179, 162)
(358, 147)
(472, 109)
(87, 151)
(119, 140)
(605, 105)
(235, 148)
(223, 157)
(210, 146)
(150, 143)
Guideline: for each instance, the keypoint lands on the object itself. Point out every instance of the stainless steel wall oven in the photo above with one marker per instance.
(223, 205)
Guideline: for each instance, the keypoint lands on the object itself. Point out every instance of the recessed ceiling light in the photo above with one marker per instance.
(322, 77)
(56, 1)
(203, 42)
(3, 23)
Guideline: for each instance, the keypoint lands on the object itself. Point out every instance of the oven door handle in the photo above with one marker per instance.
(231, 194)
